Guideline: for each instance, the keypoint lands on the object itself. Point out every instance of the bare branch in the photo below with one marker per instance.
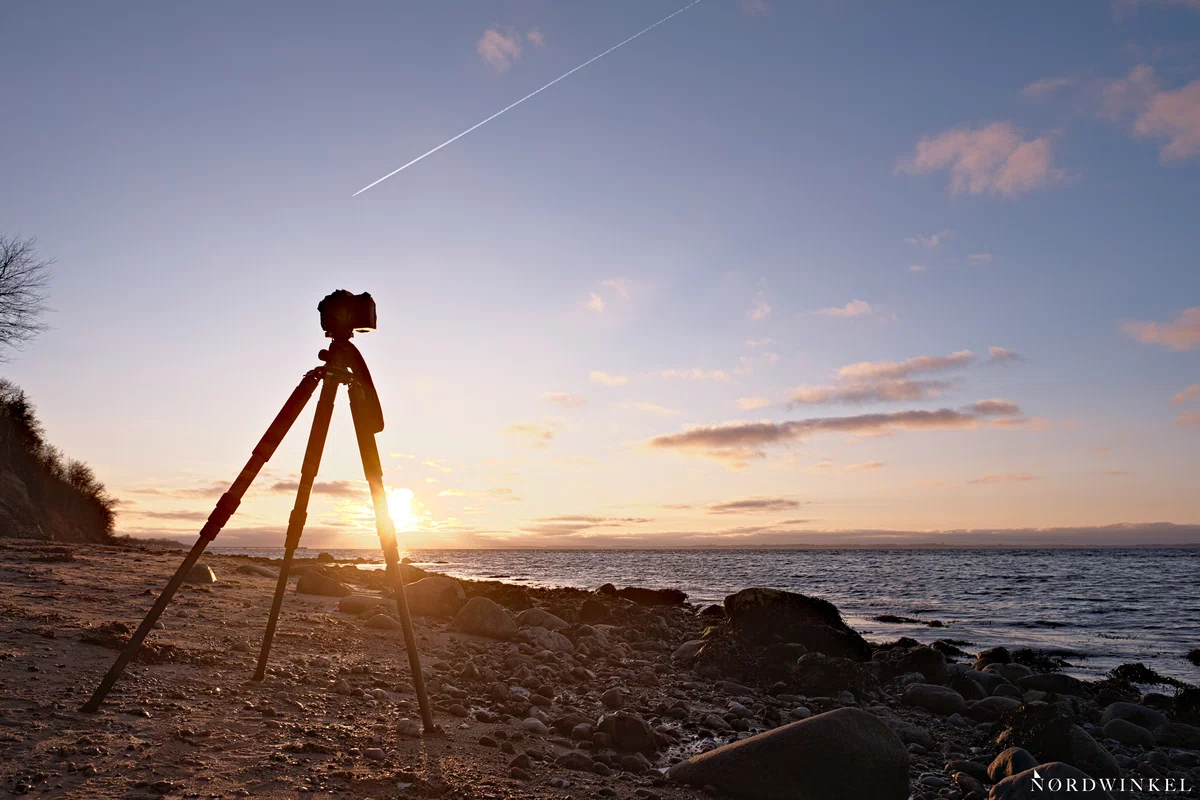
(23, 281)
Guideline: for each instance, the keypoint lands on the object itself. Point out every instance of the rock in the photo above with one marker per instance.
(383, 622)
(930, 663)
(358, 603)
(593, 611)
(1147, 718)
(687, 651)
(484, 617)
(1178, 734)
(1039, 783)
(652, 597)
(973, 768)
(409, 727)
(325, 558)
(819, 674)
(996, 655)
(323, 585)
(534, 725)
(992, 708)
(200, 573)
(435, 596)
(1077, 748)
(1010, 762)
(938, 699)
(846, 753)
(912, 734)
(629, 732)
(257, 569)
(372, 753)
(1128, 733)
(574, 760)
(543, 639)
(541, 618)
(614, 698)
(1057, 682)
(1010, 672)
(713, 612)
(762, 614)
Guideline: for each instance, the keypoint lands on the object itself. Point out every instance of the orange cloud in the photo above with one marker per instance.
(1005, 477)
(855, 308)
(992, 159)
(1189, 395)
(499, 49)
(604, 379)
(866, 466)
(1182, 334)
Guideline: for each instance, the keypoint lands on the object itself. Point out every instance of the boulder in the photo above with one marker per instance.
(1076, 747)
(1053, 781)
(483, 617)
(846, 753)
(1010, 672)
(1010, 762)
(383, 622)
(938, 699)
(1178, 734)
(629, 732)
(541, 618)
(765, 614)
(1057, 682)
(316, 583)
(200, 573)
(992, 708)
(593, 611)
(687, 651)
(995, 655)
(325, 558)
(818, 674)
(435, 596)
(542, 639)
(1128, 733)
(1147, 718)
(358, 603)
(259, 570)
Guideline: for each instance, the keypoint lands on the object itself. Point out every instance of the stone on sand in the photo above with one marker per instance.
(435, 596)
(484, 617)
(1022, 786)
(200, 573)
(541, 618)
(323, 585)
(938, 699)
(763, 614)
(1010, 762)
(358, 603)
(259, 570)
(383, 622)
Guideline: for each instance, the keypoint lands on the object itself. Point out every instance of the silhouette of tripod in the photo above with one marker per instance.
(341, 314)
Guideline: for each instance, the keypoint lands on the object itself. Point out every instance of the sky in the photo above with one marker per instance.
(770, 273)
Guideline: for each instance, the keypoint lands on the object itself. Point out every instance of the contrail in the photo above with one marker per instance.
(523, 99)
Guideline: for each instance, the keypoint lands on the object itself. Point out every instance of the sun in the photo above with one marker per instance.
(400, 506)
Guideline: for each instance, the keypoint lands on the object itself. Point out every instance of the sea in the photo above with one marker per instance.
(1094, 608)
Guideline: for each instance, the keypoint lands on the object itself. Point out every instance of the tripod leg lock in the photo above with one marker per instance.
(220, 515)
(296, 522)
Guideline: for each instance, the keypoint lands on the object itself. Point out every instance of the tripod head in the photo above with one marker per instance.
(344, 313)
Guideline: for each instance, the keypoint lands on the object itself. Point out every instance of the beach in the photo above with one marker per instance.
(572, 693)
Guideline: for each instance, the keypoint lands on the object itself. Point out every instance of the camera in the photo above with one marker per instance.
(344, 313)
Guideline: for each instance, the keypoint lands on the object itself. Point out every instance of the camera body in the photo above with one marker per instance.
(344, 313)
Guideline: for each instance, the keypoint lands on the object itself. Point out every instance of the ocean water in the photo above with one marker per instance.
(1097, 608)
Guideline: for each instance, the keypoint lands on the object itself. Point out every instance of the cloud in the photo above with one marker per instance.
(538, 435)
(755, 8)
(1047, 86)
(437, 463)
(569, 525)
(1000, 355)
(335, 488)
(866, 466)
(980, 258)
(1181, 334)
(751, 403)
(1169, 116)
(604, 379)
(212, 490)
(695, 374)
(595, 302)
(929, 241)
(995, 408)
(536, 38)
(991, 159)
(651, 408)
(916, 267)
(504, 495)
(499, 49)
(752, 504)
(761, 309)
(619, 285)
(902, 369)
(190, 516)
(1004, 477)
(1189, 395)
(874, 391)
(759, 342)
(1187, 419)
(734, 443)
(855, 308)
(565, 399)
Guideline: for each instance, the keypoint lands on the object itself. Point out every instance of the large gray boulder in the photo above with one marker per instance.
(435, 596)
(764, 614)
(1146, 717)
(484, 617)
(992, 708)
(542, 639)
(1057, 682)
(259, 570)
(1010, 762)
(1076, 747)
(1128, 733)
(323, 585)
(938, 699)
(200, 573)
(629, 732)
(840, 754)
(1053, 781)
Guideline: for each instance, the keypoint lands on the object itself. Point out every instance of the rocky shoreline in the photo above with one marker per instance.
(618, 692)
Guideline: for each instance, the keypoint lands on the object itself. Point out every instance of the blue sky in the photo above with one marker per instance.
(854, 182)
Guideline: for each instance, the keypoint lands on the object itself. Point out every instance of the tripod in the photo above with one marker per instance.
(344, 364)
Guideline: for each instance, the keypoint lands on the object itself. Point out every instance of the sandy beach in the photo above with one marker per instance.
(530, 711)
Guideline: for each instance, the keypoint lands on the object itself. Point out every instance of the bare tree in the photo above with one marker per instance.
(23, 281)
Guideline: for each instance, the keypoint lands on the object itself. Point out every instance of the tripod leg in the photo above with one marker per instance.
(369, 451)
(220, 515)
(308, 474)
